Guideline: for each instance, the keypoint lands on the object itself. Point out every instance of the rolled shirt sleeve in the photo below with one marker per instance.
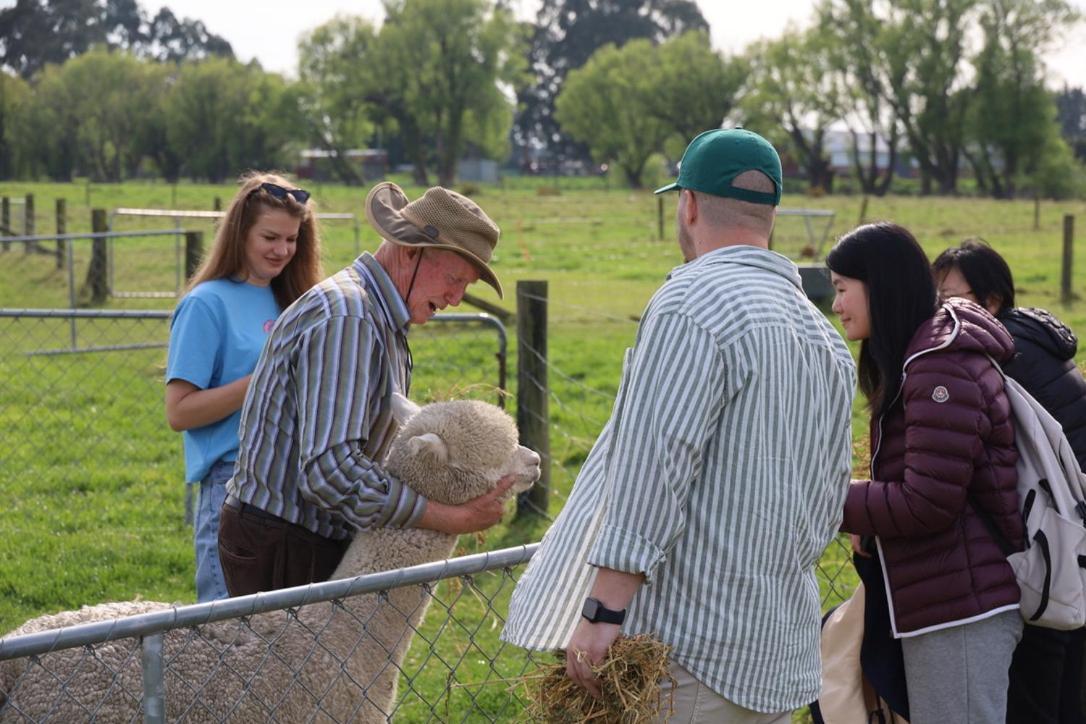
(338, 367)
(671, 407)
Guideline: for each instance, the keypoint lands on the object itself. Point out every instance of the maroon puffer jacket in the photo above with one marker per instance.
(948, 435)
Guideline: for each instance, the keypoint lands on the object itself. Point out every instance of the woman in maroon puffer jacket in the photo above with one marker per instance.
(942, 442)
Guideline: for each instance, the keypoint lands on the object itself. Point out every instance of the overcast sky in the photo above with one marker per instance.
(269, 30)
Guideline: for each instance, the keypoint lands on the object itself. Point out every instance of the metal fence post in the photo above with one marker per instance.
(69, 250)
(154, 699)
(1066, 295)
(194, 250)
(533, 418)
(62, 228)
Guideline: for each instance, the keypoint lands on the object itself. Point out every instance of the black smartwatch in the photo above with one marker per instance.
(596, 612)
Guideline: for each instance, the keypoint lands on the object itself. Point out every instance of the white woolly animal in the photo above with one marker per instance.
(333, 663)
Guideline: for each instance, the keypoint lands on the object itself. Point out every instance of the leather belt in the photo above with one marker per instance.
(252, 511)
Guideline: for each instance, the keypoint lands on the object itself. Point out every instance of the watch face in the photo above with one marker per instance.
(591, 607)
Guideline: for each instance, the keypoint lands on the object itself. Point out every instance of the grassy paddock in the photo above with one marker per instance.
(93, 475)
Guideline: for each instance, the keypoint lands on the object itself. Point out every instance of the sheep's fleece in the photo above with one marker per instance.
(335, 662)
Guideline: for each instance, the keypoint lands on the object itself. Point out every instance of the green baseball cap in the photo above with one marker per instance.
(714, 158)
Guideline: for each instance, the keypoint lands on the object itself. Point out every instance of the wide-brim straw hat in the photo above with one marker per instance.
(441, 219)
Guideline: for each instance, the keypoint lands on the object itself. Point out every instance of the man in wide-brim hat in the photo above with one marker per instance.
(439, 219)
(317, 417)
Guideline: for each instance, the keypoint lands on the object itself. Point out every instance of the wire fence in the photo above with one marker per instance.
(127, 260)
(350, 650)
(91, 382)
(328, 656)
(85, 393)
(85, 387)
(144, 254)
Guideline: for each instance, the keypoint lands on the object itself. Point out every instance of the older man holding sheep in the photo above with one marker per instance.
(317, 420)
(709, 496)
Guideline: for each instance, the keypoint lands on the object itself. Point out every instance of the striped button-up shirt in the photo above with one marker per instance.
(317, 421)
(721, 476)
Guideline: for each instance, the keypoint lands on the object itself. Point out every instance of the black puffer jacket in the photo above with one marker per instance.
(1044, 365)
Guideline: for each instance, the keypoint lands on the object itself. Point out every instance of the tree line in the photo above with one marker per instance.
(102, 89)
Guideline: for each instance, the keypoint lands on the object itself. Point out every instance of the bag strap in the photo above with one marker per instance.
(985, 517)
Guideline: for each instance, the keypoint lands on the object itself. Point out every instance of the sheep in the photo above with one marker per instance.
(334, 662)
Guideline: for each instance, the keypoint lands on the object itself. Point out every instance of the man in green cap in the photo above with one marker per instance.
(710, 495)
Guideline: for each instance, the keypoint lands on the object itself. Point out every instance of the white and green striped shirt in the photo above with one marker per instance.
(317, 421)
(721, 476)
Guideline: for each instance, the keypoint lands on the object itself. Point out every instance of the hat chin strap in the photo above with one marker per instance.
(411, 284)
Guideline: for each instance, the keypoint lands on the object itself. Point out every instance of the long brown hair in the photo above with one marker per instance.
(227, 256)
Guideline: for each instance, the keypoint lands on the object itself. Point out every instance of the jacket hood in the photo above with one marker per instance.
(961, 325)
(1041, 328)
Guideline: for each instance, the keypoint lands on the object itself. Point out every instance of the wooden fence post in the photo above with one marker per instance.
(28, 223)
(96, 286)
(1037, 212)
(217, 204)
(1066, 295)
(5, 220)
(194, 252)
(533, 417)
(62, 229)
(660, 218)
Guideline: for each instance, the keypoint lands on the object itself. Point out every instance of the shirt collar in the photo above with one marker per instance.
(388, 298)
(746, 255)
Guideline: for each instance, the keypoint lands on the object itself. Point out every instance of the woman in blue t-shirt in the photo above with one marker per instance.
(266, 254)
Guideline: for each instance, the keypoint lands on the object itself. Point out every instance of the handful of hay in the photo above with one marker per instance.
(630, 680)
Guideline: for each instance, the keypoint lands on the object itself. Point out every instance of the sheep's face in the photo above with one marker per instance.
(452, 452)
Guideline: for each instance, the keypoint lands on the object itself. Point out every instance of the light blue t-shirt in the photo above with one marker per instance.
(216, 335)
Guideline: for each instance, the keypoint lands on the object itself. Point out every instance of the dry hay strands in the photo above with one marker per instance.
(630, 678)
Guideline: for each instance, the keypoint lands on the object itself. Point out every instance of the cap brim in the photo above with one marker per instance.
(382, 207)
(673, 186)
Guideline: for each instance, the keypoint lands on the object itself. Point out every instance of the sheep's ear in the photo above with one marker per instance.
(430, 445)
(403, 409)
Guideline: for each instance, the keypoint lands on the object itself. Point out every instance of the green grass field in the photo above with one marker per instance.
(93, 476)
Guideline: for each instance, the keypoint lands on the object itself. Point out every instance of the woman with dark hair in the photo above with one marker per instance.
(942, 442)
(1046, 673)
(266, 253)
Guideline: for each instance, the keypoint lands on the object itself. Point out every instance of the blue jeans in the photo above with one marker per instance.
(210, 584)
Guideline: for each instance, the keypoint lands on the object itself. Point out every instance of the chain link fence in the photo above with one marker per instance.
(350, 650)
(135, 262)
(88, 384)
(91, 381)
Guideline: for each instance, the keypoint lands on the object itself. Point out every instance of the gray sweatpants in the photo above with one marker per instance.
(959, 674)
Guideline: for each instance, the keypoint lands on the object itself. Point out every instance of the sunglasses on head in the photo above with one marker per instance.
(299, 195)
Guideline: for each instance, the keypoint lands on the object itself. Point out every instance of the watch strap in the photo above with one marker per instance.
(595, 612)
